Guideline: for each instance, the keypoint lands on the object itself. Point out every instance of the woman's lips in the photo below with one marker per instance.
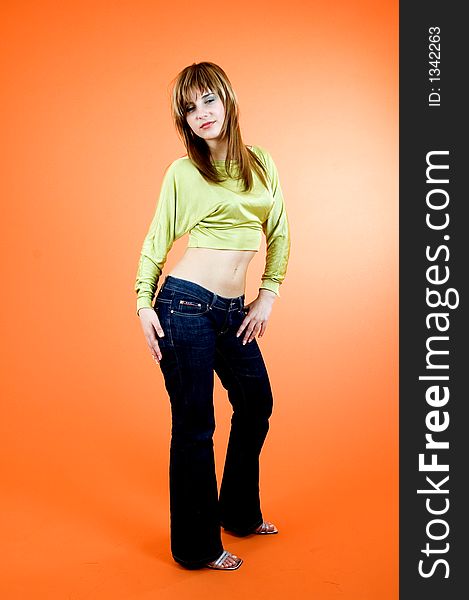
(207, 125)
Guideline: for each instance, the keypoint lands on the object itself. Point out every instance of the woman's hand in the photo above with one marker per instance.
(255, 322)
(151, 326)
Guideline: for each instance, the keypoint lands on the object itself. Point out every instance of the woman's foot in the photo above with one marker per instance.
(225, 562)
(266, 527)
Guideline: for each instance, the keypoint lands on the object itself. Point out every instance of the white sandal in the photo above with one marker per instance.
(217, 564)
(264, 528)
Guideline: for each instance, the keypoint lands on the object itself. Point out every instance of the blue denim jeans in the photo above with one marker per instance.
(200, 339)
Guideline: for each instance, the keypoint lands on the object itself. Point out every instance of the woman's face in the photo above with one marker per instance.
(205, 114)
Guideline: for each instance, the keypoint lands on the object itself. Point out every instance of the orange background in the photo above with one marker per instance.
(86, 421)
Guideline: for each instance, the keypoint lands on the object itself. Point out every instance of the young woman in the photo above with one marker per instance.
(225, 194)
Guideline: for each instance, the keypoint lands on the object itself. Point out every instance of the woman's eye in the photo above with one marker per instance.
(191, 108)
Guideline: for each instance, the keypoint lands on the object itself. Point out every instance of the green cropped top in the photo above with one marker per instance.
(216, 216)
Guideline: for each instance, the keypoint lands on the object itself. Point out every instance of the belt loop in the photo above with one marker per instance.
(212, 301)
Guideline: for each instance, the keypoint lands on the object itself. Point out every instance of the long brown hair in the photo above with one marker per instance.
(207, 76)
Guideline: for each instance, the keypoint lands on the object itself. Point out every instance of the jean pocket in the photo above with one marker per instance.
(186, 305)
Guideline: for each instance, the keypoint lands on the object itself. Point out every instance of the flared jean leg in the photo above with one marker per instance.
(195, 521)
(187, 366)
(243, 374)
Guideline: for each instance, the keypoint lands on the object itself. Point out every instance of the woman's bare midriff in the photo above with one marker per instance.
(220, 271)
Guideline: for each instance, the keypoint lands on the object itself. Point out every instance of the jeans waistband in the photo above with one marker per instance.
(206, 295)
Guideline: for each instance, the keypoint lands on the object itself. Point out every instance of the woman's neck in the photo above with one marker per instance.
(218, 150)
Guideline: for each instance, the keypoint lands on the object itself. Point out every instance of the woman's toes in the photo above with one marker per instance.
(230, 561)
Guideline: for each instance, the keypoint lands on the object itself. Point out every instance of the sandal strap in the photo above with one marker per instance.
(221, 558)
(265, 526)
